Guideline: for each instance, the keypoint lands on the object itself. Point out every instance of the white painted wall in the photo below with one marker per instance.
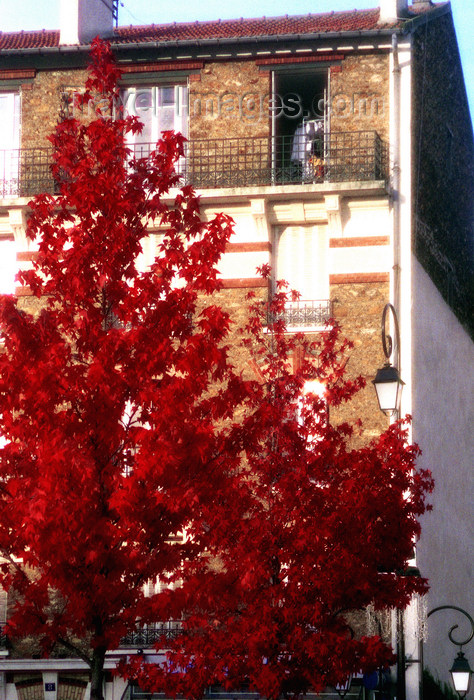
(367, 217)
(362, 218)
(235, 265)
(390, 10)
(401, 279)
(443, 426)
(7, 266)
(82, 20)
(377, 258)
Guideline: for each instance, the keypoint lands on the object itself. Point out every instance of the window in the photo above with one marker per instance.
(314, 389)
(302, 262)
(9, 143)
(7, 266)
(159, 108)
(300, 120)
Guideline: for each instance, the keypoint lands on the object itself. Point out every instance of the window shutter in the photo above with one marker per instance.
(10, 120)
(9, 143)
(302, 260)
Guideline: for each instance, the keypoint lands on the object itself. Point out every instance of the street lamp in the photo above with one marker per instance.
(461, 674)
(388, 384)
(460, 671)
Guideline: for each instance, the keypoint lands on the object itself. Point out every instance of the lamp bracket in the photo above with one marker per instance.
(387, 341)
(451, 638)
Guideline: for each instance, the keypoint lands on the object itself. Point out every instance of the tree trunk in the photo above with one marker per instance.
(97, 674)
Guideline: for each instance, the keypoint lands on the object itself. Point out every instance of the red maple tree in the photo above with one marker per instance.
(322, 529)
(125, 422)
(110, 432)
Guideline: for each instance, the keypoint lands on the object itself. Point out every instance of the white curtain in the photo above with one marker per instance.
(159, 108)
(302, 260)
(9, 143)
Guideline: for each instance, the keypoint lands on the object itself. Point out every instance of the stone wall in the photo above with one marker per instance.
(41, 104)
(359, 96)
(29, 303)
(229, 100)
(235, 302)
(358, 308)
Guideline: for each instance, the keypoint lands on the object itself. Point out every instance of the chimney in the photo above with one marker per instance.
(390, 10)
(83, 20)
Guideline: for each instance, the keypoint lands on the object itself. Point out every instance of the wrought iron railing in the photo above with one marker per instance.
(3, 639)
(148, 636)
(304, 314)
(134, 692)
(25, 172)
(244, 162)
(233, 162)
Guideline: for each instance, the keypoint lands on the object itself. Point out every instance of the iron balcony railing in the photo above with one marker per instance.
(304, 313)
(134, 692)
(234, 162)
(149, 636)
(243, 162)
(25, 172)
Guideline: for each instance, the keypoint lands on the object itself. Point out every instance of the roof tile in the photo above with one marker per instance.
(29, 40)
(264, 26)
(352, 21)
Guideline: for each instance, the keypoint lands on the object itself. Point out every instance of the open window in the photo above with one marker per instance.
(300, 123)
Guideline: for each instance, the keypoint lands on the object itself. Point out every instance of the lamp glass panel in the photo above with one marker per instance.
(387, 394)
(461, 681)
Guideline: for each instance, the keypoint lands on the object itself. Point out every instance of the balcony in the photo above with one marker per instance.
(304, 315)
(149, 636)
(285, 160)
(358, 156)
(25, 172)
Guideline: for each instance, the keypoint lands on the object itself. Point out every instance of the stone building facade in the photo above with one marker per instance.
(345, 167)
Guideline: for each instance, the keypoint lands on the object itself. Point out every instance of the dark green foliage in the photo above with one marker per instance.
(434, 689)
